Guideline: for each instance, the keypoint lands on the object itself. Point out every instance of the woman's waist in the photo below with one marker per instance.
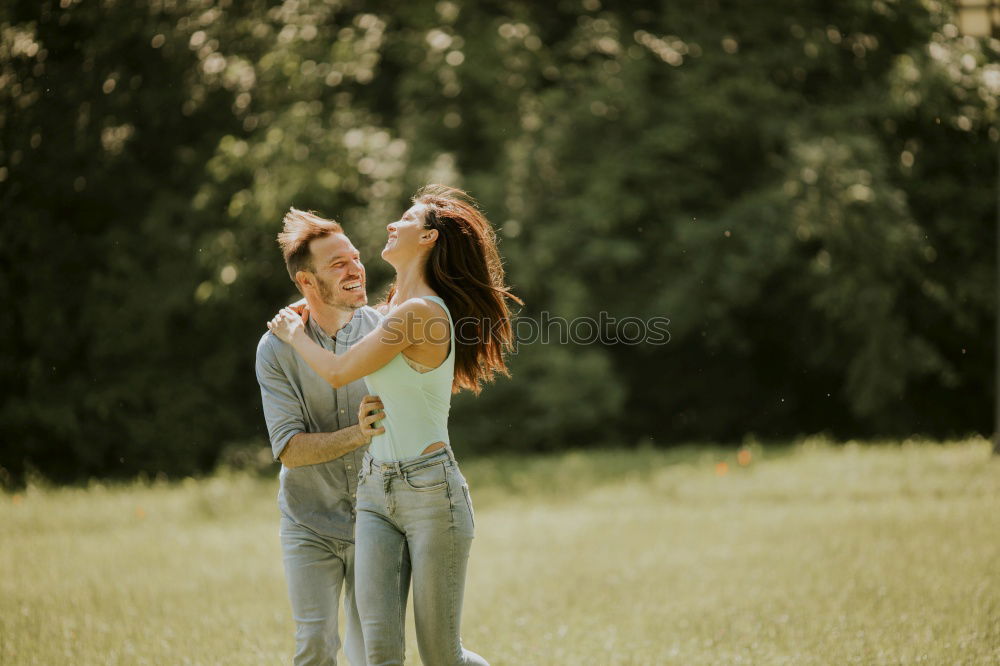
(399, 417)
(374, 463)
(404, 443)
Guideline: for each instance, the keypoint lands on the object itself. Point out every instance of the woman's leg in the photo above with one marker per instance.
(439, 540)
(381, 583)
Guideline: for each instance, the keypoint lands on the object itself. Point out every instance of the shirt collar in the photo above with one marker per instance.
(347, 330)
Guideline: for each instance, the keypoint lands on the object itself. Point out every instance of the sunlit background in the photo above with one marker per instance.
(807, 190)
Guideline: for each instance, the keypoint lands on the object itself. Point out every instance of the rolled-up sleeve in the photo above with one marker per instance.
(282, 406)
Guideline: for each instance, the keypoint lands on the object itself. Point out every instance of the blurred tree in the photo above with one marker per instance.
(804, 189)
(108, 118)
(756, 179)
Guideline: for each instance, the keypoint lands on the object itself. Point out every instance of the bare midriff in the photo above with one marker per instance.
(433, 447)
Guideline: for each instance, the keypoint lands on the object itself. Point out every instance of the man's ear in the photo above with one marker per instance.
(304, 279)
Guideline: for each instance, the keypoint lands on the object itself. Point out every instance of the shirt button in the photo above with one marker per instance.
(349, 468)
(342, 411)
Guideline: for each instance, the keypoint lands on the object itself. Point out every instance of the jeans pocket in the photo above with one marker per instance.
(468, 502)
(431, 477)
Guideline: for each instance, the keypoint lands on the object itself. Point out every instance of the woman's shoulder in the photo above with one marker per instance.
(423, 301)
(426, 305)
(415, 304)
(419, 316)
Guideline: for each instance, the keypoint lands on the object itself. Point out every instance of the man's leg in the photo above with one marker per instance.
(354, 642)
(315, 571)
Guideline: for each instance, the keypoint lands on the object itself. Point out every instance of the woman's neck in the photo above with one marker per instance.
(410, 282)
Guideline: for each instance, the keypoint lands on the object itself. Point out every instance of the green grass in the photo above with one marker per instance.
(811, 554)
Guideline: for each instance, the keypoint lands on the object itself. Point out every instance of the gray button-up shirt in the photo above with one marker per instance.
(296, 399)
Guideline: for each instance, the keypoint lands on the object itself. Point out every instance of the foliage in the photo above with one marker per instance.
(806, 190)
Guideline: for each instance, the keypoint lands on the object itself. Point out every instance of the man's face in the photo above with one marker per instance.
(340, 276)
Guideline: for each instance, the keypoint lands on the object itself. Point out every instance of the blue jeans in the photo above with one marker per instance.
(316, 567)
(414, 521)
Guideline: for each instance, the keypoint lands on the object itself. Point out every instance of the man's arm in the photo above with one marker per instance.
(286, 423)
(311, 448)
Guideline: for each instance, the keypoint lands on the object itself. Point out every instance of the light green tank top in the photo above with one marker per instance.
(416, 403)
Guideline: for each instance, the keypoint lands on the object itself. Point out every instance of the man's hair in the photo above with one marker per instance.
(301, 228)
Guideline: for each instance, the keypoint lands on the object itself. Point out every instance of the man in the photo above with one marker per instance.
(314, 432)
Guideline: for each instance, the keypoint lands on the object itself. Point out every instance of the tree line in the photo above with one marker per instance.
(805, 191)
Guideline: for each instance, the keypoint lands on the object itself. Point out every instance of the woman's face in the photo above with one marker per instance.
(407, 235)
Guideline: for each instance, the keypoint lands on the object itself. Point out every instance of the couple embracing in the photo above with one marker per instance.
(338, 377)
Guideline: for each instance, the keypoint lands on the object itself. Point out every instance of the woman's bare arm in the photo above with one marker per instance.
(402, 328)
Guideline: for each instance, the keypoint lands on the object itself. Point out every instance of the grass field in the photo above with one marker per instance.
(805, 554)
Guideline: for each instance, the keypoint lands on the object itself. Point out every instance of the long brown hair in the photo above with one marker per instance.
(465, 269)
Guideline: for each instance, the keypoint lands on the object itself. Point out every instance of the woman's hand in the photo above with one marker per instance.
(370, 411)
(302, 308)
(286, 325)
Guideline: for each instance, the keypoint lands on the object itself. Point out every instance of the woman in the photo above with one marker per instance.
(415, 515)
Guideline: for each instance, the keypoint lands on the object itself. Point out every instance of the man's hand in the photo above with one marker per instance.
(370, 411)
(286, 325)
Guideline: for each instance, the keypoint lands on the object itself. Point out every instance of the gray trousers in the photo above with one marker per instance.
(316, 568)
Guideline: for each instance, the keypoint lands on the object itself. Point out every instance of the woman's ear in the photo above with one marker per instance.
(428, 236)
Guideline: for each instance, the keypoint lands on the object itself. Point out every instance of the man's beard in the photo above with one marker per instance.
(329, 296)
